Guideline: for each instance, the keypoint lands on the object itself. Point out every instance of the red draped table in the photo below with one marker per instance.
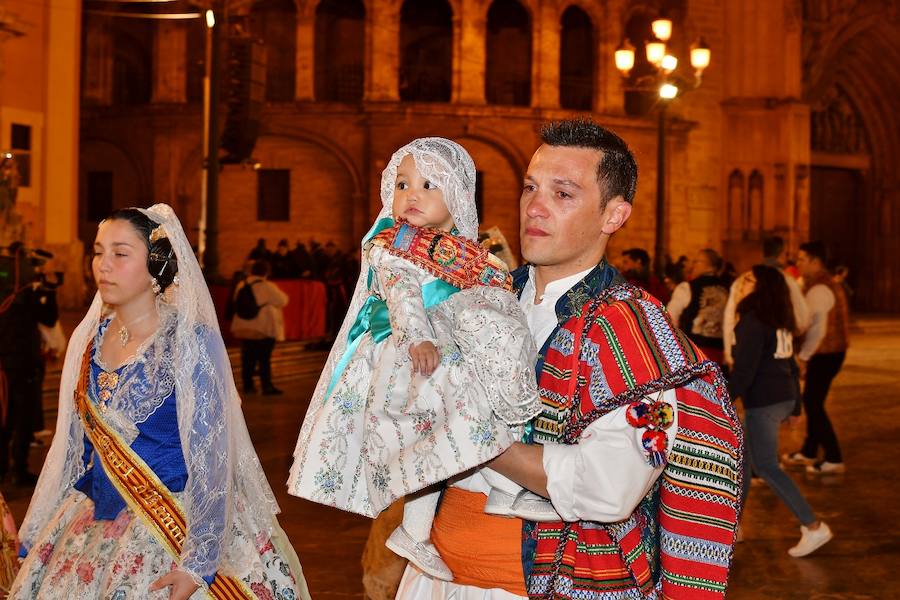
(304, 316)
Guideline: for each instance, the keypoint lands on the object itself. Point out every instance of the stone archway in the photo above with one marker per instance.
(852, 76)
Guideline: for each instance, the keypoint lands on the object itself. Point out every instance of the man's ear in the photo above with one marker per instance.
(615, 215)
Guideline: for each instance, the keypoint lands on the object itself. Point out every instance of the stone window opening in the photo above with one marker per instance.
(132, 75)
(508, 45)
(273, 195)
(426, 43)
(339, 50)
(275, 23)
(577, 57)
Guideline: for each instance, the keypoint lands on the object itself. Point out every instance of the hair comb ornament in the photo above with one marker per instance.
(157, 234)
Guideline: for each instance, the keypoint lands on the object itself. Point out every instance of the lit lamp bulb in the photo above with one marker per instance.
(210, 19)
(669, 63)
(667, 91)
(662, 29)
(656, 50)
(700, 56)
(625, 57)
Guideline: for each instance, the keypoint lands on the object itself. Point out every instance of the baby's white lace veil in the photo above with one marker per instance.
(442, 162)
(223, 469)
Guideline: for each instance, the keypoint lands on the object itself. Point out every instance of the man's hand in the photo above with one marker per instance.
(425, 357)
(524, 464)
(180, 584)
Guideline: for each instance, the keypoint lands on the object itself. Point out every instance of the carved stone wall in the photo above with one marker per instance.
(791, 81)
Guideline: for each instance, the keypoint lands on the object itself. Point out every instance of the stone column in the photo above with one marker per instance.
(469, 54)
(306, 56)
(382, 52)
(61, 148)
(609, 95)
(170, 62)
(545, 57)
(98, 64)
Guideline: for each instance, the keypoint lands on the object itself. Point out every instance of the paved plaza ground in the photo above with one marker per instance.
(861, 505)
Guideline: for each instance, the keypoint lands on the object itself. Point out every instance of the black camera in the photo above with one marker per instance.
(21, 267)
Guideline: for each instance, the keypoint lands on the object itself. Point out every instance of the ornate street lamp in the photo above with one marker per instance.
(667, 85)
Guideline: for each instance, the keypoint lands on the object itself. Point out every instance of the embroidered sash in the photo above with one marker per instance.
(460, 262)
(142, 490)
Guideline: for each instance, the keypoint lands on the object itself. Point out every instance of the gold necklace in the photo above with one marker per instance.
(124, 334)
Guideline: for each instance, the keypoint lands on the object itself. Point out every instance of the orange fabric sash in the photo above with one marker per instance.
(481, 550)
(142, 490)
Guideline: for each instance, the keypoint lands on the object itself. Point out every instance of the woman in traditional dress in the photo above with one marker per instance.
(151, 488)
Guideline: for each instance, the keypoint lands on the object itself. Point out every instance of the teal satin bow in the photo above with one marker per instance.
(374, 317)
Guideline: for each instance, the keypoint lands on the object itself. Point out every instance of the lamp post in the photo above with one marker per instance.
(668, 86)
(208, 238)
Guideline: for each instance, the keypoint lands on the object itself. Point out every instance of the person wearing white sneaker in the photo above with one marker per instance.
(765, 378)
(812, 538)
(821, 354)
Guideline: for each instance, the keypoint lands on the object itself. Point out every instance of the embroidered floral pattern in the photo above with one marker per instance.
(78, 558)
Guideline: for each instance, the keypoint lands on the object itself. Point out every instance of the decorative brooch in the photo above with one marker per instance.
(655, 416)
(107, 382)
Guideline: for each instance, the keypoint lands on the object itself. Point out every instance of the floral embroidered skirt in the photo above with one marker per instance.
(9, 562)
(79, 558)
(385, 432)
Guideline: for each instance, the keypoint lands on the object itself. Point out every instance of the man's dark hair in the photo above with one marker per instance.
(617, 172)
(638, 255)
(815, 249)
(261, 268)
(773, 246)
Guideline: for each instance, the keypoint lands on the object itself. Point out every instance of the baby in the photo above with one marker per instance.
(432, 373)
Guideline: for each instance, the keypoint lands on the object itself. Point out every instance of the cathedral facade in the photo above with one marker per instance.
(790, 132)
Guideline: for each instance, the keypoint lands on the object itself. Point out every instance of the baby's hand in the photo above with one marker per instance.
(425, 357)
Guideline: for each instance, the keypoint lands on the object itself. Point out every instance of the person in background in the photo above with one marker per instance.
(821, 356)
(259, 252)
(635, 264)
(28, 306)
(698, 306)
(283, 263)
(259, 333)
(301, 260)
(774, 255)
(765, 377)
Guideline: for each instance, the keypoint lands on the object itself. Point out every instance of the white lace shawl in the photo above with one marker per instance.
(441, 161)
(224, 473)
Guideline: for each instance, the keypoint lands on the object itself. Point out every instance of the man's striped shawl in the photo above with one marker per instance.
(679, 541)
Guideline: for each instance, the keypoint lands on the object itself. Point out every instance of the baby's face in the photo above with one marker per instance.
(419, 200)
